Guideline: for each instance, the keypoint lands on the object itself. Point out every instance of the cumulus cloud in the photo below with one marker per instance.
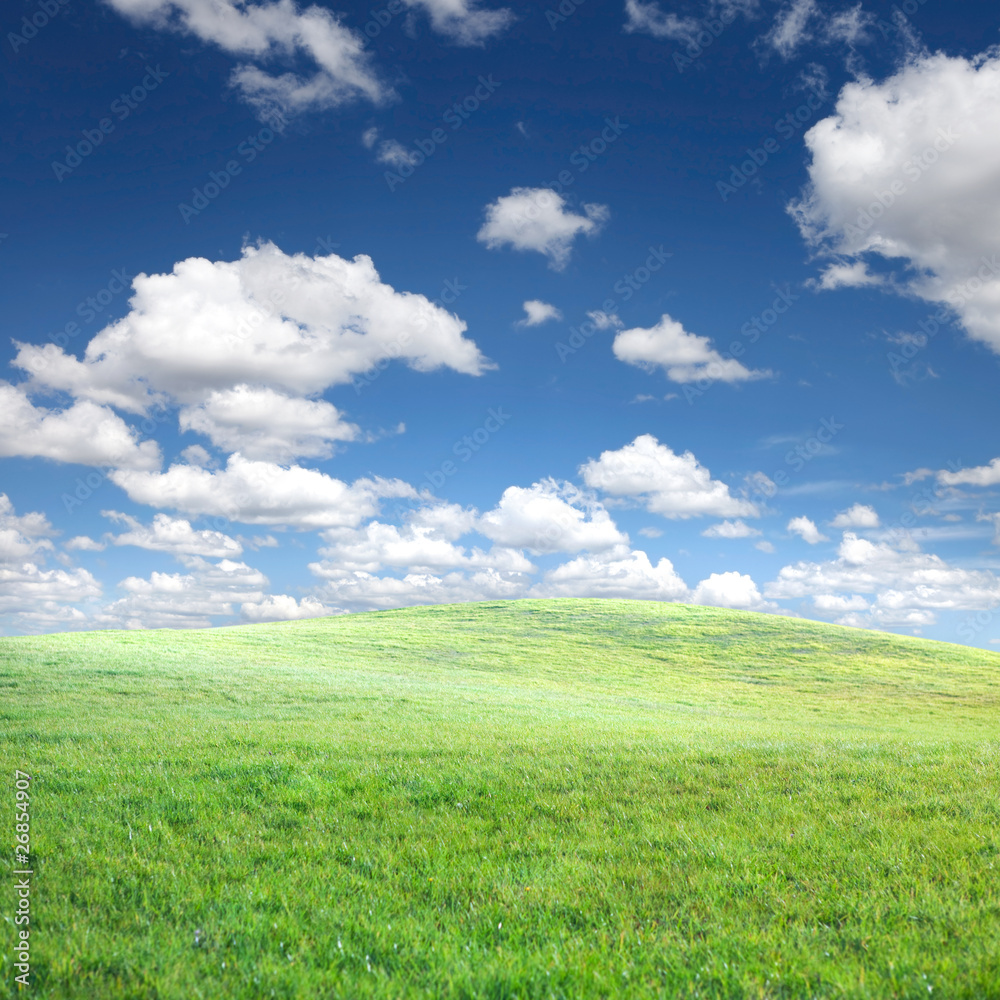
(84, 543)
(268, 425)
(907, 169)
(425, 543)
(806, 530)
(550, 517)
(281, 607)
(854, 275)
(464, 21)
(173, 535)
(85, 433)
(34, 598)
(240, 345)
(184, 600)
(685, 357)
(858, 516)
(676, 486)
(538, 312)
(261, 493)
(730, 529)
(538, 219)
(901, 584)
(980, 475)
(335, 68)
(296, 324)
(619, 572)
(731, 590)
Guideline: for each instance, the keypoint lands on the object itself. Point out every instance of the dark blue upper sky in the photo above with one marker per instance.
(710, 378)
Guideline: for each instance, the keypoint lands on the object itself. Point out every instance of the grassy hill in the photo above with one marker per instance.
(526, 799)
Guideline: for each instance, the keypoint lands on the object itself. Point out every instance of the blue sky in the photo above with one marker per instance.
(328, 308)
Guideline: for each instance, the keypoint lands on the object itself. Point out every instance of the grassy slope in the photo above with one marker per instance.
(514, 799)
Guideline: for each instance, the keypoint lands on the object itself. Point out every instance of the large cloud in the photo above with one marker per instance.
(339, 69)
(185, 600)
(268, 425)
(85, 433)
(173, 535)
(901, 585)
(241, 344)
(908, 169)
(676, 486)
(979, 475)
(620, 572)
(550, 517)
(261, 493)
(538, 219)
(685, 357)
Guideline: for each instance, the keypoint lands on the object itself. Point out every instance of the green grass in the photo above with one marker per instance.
(529, 799)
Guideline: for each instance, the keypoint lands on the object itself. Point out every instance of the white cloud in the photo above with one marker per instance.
(173, 535)
(83, 543)
(806, 530)
(261, 493)
(281, 607)
(395, 154)
(905, 585)
(37, 599)
(359, 591)
(538, 219)
(184, 600)
(549, 517)
(685, 357)
(538, 312)
(425, 543)
(908, 169)
(730, 529)
(23, 537)
(338, 67)
(464, 21)
(791, 27)
(765, 546)
(850, 25)
(268, 425)
(620, 572)
(855, 275)
(676, 486)
(84, 433)
(980, 475)
(731, 590)
(648, 18)
(295, 324)
(858, 516)
(838, 603)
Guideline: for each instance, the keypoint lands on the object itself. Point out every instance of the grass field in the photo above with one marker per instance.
(528, 799)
